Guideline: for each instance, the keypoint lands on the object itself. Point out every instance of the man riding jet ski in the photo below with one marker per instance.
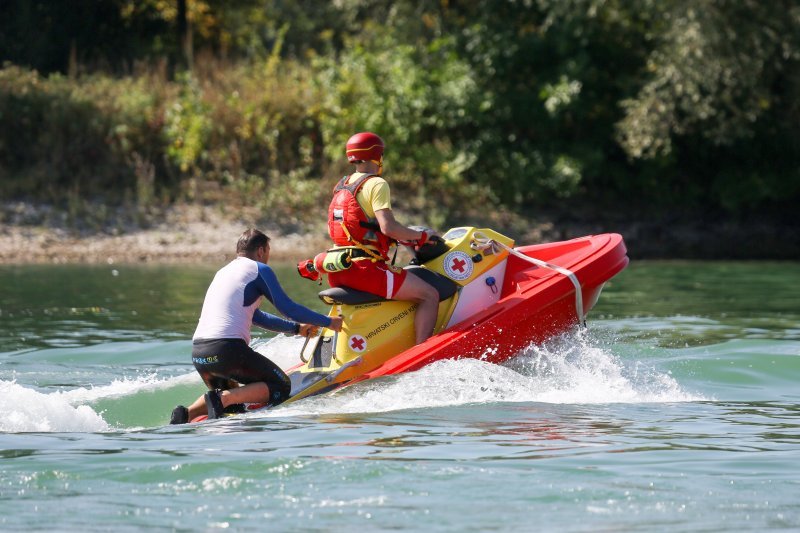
(363, 227)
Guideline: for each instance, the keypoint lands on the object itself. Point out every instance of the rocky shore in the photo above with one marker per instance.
(191, 234)
(182, 235)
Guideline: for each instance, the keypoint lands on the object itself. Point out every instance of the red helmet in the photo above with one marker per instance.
(364, 146)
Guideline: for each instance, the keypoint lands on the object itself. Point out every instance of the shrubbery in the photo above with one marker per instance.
(636, 109)
(234, 137)
(267, 136)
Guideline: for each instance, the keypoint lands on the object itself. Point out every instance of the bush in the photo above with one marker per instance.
(60, 136)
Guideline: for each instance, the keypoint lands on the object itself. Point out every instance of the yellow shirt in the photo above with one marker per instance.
(374, 195)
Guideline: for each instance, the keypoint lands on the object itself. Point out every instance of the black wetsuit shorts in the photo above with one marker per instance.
(224, 363)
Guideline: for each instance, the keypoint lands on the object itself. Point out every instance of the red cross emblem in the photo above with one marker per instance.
(358, 343)
(458, 264)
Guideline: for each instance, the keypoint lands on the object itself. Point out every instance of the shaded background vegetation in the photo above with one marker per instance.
(604, 111)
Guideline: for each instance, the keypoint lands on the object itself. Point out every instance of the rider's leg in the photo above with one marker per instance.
(416, 290)
(197, 408)
(257, 392)
(251, 393)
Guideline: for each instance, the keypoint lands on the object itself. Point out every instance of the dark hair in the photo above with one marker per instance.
(250, 241)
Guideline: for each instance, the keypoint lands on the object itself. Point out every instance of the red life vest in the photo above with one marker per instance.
(348, 224)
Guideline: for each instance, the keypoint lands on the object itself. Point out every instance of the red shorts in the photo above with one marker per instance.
(374, 277)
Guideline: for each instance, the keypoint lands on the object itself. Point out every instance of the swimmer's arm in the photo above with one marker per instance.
(274, 323)
(288, 307)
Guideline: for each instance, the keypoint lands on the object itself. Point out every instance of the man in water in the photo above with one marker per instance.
(235, 373)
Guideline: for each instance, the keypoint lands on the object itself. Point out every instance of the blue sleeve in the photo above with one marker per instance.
(272, 322)
(268, 283)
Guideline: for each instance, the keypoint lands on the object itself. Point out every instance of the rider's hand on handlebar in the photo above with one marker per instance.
(428, 237)
(336, 323)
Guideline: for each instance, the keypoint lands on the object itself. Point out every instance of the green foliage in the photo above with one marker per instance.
(712, 74)
(721, 96)
(60, 137)
(416, 98)
(656, 105)
(188, 127)
(550, 80)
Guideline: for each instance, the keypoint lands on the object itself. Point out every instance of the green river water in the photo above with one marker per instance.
(678, 409)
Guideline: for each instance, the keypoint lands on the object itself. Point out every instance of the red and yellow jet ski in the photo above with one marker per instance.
(495, 300)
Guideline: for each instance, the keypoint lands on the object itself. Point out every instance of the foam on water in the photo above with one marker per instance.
(580, 368)
(28, 410)
(125, 387)
(283, 350)
(574, 368)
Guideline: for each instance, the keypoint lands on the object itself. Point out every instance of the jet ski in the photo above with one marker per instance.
(495, 300)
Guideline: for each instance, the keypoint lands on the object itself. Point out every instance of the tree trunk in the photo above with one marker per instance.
(186, 55)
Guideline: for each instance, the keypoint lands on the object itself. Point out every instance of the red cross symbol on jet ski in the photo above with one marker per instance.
(358, 343)
(458, 264)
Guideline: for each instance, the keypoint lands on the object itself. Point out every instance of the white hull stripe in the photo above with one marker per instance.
(389, 284)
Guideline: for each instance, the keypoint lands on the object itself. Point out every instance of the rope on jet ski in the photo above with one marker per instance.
(481, 242)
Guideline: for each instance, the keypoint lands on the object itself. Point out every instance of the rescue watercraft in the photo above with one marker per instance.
(495, 300)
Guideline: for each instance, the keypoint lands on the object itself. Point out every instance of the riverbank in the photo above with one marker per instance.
(192, 234)
(182, 234)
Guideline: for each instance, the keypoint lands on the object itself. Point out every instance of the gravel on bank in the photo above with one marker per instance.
(32, 234)
(187, 235)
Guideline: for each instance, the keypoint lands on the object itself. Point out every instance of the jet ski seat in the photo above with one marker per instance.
(348, 296)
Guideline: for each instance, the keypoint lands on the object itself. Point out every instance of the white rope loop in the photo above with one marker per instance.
(481, 242)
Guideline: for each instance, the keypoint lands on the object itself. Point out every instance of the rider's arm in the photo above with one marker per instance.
(274, 323)
(392, 228)
(272, 290)
(378, 194)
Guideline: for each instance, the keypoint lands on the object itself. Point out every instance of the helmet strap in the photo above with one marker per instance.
(378, 162)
